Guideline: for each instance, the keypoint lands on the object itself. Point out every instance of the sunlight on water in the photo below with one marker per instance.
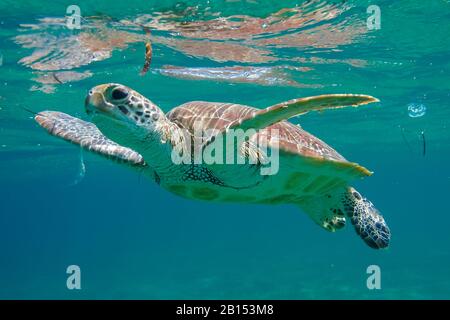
(81, 172)
(416, 110)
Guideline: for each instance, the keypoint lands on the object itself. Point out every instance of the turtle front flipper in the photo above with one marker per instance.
(86, 135)
(260, 119)
(296, 107)
(367, 220)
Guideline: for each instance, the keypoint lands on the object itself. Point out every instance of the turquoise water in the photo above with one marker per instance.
(132, 239)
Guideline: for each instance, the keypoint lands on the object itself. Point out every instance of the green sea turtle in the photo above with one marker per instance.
(129, 128)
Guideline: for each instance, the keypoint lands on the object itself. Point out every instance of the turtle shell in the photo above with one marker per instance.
(295, 144)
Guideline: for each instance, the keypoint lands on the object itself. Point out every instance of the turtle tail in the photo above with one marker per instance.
(367, 220)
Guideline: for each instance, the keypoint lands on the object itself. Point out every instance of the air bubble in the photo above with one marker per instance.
(416, 110)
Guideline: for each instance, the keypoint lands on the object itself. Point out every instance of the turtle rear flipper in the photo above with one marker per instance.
(367, 220)
(325, 212)
(329, 212)
(86, 135)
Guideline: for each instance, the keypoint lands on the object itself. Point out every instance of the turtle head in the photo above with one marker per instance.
(122, 103)
(122, 113)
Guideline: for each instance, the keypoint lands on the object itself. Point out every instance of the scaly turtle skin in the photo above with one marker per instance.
(131, 129)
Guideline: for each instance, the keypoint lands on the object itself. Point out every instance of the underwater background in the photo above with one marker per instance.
(134, 240)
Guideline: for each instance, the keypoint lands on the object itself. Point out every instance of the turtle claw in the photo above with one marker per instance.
(333, 224)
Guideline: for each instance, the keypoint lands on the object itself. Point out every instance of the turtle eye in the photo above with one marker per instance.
(119, 94)
(357, 195)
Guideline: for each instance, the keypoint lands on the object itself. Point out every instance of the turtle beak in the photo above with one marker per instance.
(88, 106)
(95, 101)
